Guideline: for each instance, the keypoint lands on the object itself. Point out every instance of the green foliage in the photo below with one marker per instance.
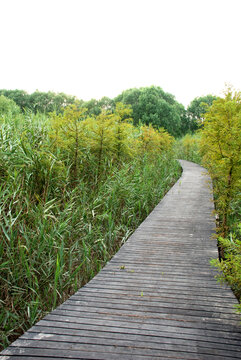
(187, 148)
(42, 102)
(47, 102)
(100, 139)
(109, 136)
(230, 265)
(151, 105)
(94, 107)
(123, 132)
(20, 97)
(221, 150)
(58, 228)
(68, 133)
(196, 111)
(8, 107)
(153, 141)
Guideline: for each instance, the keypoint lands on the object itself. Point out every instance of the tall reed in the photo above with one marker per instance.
(55, 236)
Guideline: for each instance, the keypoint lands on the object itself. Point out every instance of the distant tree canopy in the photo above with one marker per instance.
(151, 105)
(8, 106)
(43, 102)
(196, 110)
(95, 107)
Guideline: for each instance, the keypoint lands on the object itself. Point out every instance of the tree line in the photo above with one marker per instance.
(150, 105)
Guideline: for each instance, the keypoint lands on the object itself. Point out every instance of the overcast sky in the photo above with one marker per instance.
(95, 48)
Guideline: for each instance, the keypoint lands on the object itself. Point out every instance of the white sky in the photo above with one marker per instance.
(95, 48)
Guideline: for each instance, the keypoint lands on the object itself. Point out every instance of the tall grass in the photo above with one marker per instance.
(187, 148)
(55, 236)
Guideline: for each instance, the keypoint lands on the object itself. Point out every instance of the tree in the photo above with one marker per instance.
(151, 105)
(20, 97)
(107, 104)
(68, 132)
(131, 97)
(92, 107)
(96, 106)
(45, 102)
(110, 136)
(8, 106)
(221, 149)
(197, 109)
(122, 131)
(100, 138)
(153, 141)
(42, 102)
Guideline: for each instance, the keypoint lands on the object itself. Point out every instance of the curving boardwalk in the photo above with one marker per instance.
(156, 299)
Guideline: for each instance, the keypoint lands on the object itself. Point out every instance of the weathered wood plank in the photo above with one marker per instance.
(156, 299)
(168, 326)
(49, 327)
(70, 348)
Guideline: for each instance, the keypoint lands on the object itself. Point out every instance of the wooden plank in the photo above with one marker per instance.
(153, 325)
(121, 332)
(144, 312)
(91, 301)
(166, 343)
(144, 304)
(165, 298)
(70, 349)
(156, 299)
(176, 321)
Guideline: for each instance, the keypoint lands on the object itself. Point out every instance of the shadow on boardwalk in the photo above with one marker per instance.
(156, 299)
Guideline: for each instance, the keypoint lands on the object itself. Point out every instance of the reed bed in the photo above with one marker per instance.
(56, 233)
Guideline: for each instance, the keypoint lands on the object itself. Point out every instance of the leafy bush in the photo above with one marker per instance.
(8, 107)
(187, 148)
(230, 265)
(220, 146)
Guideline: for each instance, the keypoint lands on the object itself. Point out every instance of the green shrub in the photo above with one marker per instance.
(230, 265)
(8, 107)
(187, 148)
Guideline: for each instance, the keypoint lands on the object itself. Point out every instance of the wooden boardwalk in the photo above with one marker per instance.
(156, 299)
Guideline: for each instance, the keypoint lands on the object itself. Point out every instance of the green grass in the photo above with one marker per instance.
(187, 148)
